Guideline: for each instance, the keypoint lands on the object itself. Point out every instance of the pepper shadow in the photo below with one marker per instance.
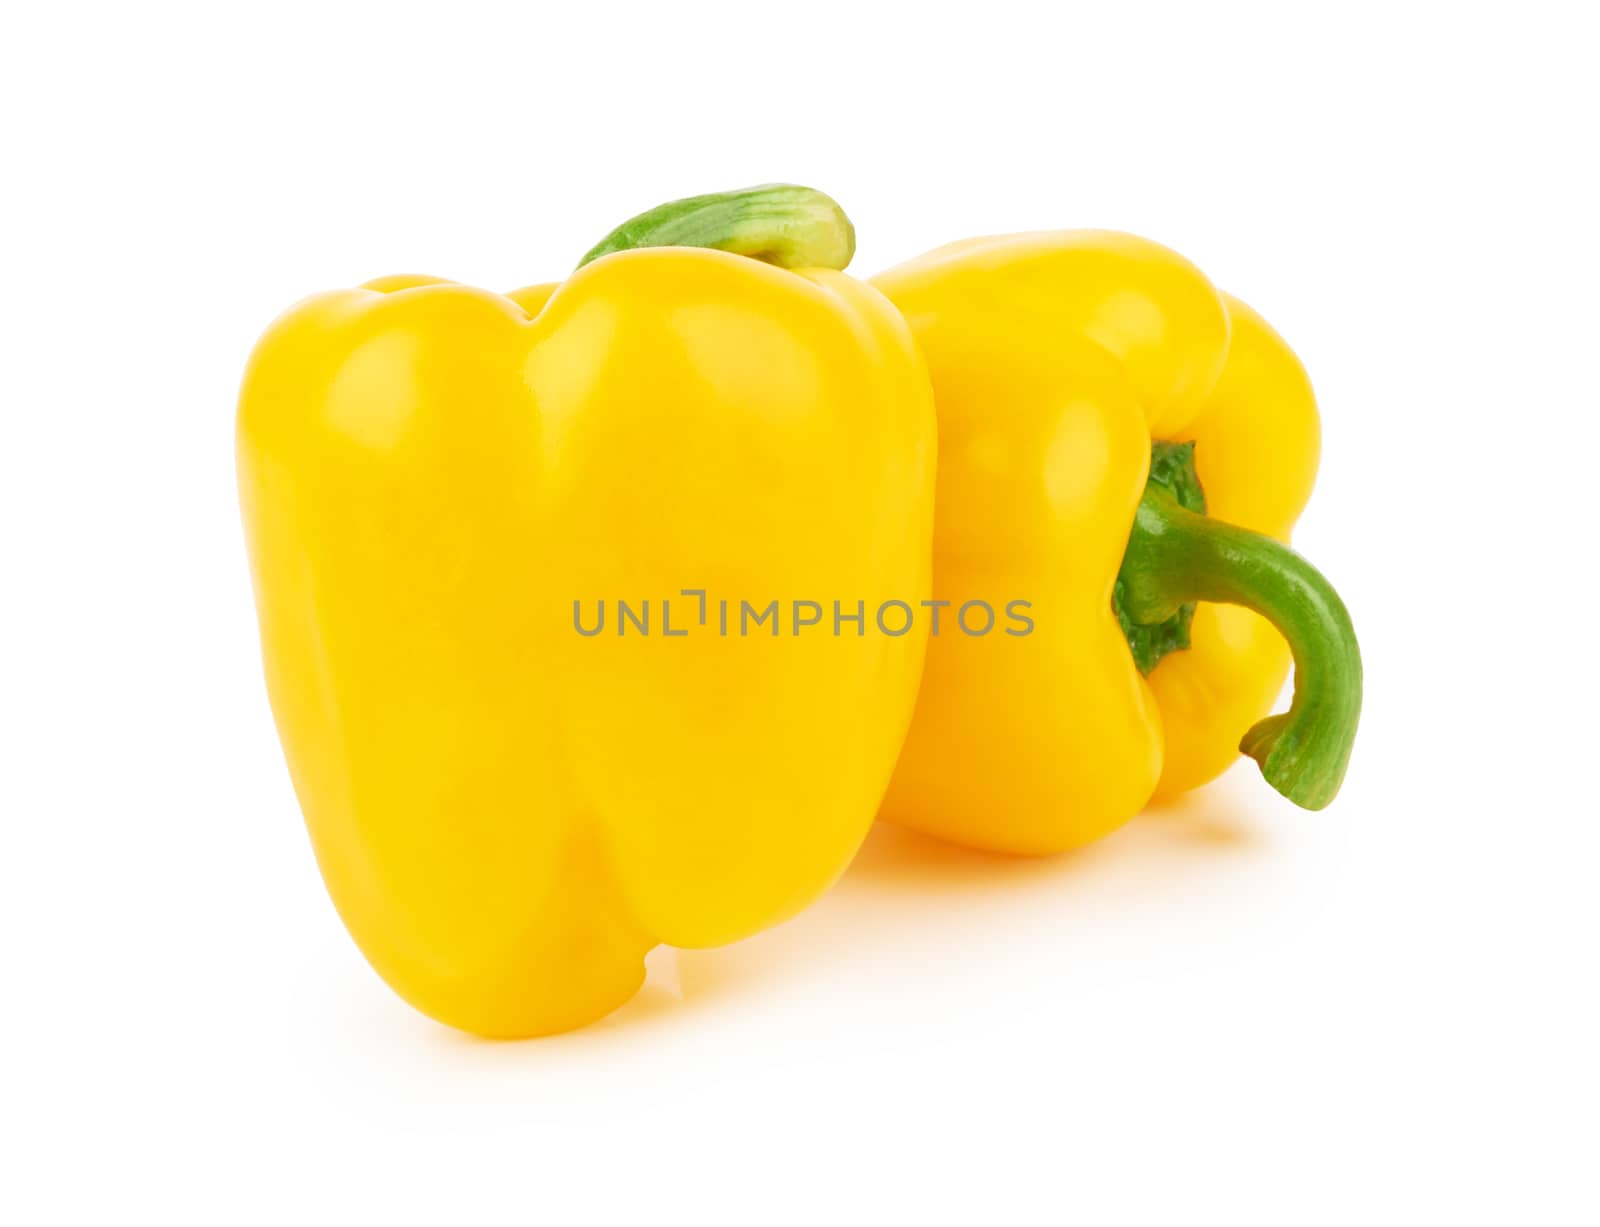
(907, 892)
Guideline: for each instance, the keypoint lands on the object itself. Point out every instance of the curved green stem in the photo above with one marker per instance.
(777, 223)
(1176, 556)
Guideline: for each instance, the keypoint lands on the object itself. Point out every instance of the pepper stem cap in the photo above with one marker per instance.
(1177, 556)
(777, 223)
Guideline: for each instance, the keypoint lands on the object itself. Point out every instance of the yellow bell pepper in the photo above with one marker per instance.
(1118, 441)
(507, 809)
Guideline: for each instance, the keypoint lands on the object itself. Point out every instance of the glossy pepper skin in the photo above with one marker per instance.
(1061, 363)
(509, 814)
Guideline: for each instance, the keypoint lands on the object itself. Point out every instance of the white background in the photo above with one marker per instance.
(1232, 1012)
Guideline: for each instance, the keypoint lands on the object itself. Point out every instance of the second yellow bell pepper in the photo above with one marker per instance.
(1127, 449)
(443, 488)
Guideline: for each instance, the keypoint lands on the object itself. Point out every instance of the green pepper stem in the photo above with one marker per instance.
(777, 223)
(1177, 556)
